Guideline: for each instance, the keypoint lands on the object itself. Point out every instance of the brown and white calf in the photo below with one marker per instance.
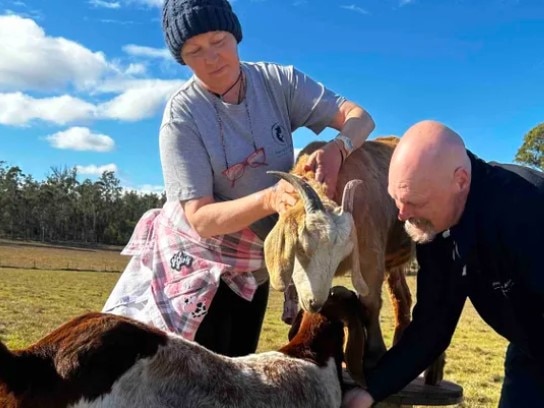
(103, 360)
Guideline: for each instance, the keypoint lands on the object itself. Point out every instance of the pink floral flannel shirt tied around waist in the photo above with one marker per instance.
(174, 273)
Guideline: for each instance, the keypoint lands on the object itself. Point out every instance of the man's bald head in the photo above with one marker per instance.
(429, 175)
(428, 151)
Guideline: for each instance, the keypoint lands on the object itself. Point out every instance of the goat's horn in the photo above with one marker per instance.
(312, 202)
(348, 195)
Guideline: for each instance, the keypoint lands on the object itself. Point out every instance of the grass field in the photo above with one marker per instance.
(34, 301)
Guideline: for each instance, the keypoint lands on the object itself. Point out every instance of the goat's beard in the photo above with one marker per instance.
(420, 230)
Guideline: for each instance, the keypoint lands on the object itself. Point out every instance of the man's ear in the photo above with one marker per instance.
(461, 178)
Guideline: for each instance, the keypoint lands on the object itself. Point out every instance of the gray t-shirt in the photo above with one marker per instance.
(195, 152)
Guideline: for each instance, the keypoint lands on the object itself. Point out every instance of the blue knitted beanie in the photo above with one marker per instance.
(183, 19)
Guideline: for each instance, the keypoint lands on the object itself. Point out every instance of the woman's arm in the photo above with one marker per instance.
(211, 218)
(354, 123)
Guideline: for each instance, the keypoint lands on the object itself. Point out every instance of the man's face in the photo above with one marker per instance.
(425, 208)
(420, 230)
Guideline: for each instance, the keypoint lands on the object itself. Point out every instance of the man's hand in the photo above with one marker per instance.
(357, 398)
(326, 163)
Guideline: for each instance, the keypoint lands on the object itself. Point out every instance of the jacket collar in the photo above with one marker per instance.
(464, 232)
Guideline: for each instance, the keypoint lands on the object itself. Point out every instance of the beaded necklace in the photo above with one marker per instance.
(243, 85)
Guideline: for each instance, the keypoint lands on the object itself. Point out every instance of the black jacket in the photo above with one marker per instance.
(495, 256)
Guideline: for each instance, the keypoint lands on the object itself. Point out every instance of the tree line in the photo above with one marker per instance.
(61, 208)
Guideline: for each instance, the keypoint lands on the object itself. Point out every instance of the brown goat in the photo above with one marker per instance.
(317, 239)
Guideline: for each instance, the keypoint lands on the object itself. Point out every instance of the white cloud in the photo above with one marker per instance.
(136, 100)
(82, 139)
(18, 109)
(117, 86)
(147, 52)
(30, 60)
(105, 4)
(403, 3)
(135, 69)
(94, 170)
(357, 9)
(140, 101)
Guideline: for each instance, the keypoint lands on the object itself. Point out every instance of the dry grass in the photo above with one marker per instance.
(34, 302)
(35, 255)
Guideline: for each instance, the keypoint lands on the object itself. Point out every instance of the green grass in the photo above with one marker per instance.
(33, 302)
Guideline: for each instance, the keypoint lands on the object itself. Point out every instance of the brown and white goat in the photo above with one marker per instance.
(318, 239)
(104, 360)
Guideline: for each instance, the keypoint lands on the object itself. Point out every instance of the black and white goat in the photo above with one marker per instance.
(103, 360)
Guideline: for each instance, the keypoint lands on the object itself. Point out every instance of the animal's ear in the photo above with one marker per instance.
(347, 207)
(296, 325)
(357, 279)
(355, 344)
(17, 372)
(349, 194)
(351, 265)
(279, 249)
(290, 304)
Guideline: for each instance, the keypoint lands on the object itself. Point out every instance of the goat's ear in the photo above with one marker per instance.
(17, 372)
(357, 279)
(279, 249)
(355, 345)
(296, 325)
(348, 195)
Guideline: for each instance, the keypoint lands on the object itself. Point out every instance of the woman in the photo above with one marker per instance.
(198, 262)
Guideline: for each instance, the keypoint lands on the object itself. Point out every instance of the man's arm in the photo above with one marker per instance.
(440, 301)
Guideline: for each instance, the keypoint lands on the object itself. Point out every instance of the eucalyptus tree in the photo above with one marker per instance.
(531, 151)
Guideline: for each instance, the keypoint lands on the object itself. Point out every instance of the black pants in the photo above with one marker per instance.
(523, 385)
(233, 325)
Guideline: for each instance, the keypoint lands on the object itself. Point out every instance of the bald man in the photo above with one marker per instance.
(479, 233)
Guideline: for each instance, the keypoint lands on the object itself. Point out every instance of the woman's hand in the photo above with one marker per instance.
(357, 398)
(281, 196)
(326, 163)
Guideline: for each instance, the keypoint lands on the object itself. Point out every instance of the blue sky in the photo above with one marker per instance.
(83, 82)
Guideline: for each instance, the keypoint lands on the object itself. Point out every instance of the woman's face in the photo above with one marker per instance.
(213, 57)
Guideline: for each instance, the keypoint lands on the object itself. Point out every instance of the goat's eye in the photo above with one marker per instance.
(303, 253)
(305, 244)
